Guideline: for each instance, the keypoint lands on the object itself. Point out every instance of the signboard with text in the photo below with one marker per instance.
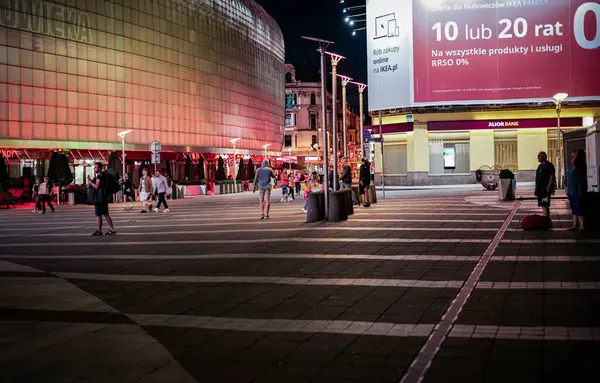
(424, 53)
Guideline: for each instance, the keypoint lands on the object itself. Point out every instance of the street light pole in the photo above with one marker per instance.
(323, 44)
(345, 81)
(290, 157)
(382, 161)
(122, 135)
(234, 141)
(335, 59)
(558, 100)
(361, 88)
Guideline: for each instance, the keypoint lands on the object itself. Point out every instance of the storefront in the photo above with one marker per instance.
(443, 149)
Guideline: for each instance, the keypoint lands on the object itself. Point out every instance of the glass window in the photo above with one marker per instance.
(395, 159)
(287, 141)
(449, 158)
(313, 99)
(505, 150)
(313, 121)
(314, 139)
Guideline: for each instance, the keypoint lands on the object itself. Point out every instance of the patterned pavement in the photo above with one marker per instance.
(421, 287)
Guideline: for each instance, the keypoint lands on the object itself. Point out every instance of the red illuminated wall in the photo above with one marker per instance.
(187, 75)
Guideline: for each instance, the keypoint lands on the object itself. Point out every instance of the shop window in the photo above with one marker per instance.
(449, 153)
(505, 150)
(395, 159)
(287, 141)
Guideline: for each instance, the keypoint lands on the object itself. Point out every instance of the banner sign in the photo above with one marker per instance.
(424, 53)
(571, 122)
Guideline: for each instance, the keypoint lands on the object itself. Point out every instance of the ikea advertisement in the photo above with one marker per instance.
(468, 52)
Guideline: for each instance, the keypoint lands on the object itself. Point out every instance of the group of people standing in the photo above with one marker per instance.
(576, 187)
(292, 183)
(42, 195)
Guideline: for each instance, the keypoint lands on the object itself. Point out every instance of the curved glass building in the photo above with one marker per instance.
(192, 74)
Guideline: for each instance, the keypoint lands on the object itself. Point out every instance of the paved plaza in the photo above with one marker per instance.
(431, 286)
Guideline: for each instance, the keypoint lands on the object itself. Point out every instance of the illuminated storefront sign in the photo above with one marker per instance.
(61, 21)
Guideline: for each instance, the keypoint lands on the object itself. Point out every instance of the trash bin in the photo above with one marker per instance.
(506, 189)
(315, 211)
(337, 207)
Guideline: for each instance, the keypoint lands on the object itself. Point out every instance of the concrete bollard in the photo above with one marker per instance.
(348, 199)
(315, 211)
(337, 207)
(372, 194)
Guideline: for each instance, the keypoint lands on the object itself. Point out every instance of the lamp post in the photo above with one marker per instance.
(265, 146)
(290, 157)
(234, 164)
(335, 59)
(345, 81)
(558, 100)
(323, 44)
(122, 135)
(361, 88)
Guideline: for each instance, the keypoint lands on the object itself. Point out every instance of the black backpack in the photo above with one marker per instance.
(111, 177)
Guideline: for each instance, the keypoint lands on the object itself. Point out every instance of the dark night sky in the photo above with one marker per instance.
(323, 19)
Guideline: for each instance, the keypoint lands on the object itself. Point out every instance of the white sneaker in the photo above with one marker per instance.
(166, 211)
(156, 210)
(303, 210)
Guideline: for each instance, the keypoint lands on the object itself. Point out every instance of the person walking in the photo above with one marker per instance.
(262, 182)
(145, 191)
(36, 196)
(297, 182)
(346, 179)
(99, 183)
(291, 186)
(128, 188)
(545, 183)
(365, 181)
(577, 187)
(284, 185)
(161, 185)
(45, 192)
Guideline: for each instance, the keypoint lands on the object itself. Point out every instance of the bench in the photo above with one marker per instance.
(7, 199)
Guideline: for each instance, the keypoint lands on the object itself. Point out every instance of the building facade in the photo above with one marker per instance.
(448, 148)
(303, 122)
(192, 74)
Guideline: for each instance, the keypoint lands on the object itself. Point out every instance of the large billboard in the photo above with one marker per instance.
(448, 52)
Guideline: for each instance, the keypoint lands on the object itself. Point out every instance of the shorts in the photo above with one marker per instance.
(264, 194)
(575, 204)
(144, 196)
(361, 188)
(100, 210)
(543, 199)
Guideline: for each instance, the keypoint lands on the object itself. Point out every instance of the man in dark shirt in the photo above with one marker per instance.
(545, 180)
(346, 179)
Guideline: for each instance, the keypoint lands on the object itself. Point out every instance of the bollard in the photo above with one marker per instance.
(348, 199)
(315, 211)
(337, 207)
(372, 194)
(356, 192)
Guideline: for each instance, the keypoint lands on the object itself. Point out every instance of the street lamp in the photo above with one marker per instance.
(335, 59)
(323, 44)
(314, 146)
(345, 81)
(265, 146)
(361, 88)
(558, 100)
(234, 164)
(122, 135)
(290, 157)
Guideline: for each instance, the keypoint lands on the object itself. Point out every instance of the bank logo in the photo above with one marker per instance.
(386, 26)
